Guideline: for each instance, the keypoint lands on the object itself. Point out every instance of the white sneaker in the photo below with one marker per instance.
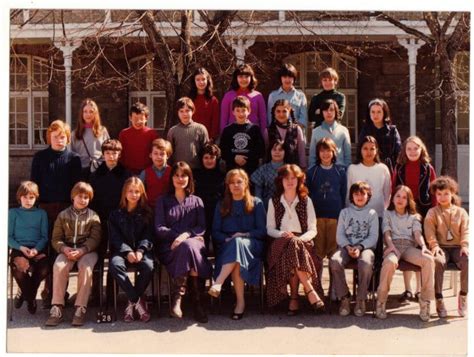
(424, 310)
(462, 305)
(345, 307)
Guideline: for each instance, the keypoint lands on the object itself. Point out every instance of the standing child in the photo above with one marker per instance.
(242, 143)
(378, 124)
(327, 183)
(447, 234)
(331, 128)
(264, 177)
(157, 176)
(76, 236)
(88, 137)
(207, 105)
(243, 84)
(402, 235)
(136, 140)
(328, 78)
(357, 233)
(414, 170)
(27, 239)
(209, 184)
(131, 243)
(287, 76)
(283, 127)
(187, 137)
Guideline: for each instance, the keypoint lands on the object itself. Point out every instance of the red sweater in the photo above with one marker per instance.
(207, 114)
(136, 148)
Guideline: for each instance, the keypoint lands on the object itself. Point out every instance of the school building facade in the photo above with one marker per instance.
(54, 66)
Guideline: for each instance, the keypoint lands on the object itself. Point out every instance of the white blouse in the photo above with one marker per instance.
(290, 221)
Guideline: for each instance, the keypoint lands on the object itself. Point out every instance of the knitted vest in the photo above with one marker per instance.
(156, 186)
(300, 212)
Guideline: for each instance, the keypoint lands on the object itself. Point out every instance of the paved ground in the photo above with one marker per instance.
(401, 333)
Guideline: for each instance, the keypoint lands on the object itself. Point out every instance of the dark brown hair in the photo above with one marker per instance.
(446, 183)
(386, 111)
(285, 171)
(360, 186)
(111, 145)
(367, 139)
(287, 70)
(208, 91)
(241, 102)
(139, 108)
(184, 102)
(185, 169)
(327, 104)
(243, 69)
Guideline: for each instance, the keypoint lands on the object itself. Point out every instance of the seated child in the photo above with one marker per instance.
(136, 140)
(447, 234)
(187, 137)
(357, 233)
(27, 239)
(76, 236)
(156, 177)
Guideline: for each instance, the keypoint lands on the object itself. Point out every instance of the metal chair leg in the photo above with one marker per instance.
(11, 294)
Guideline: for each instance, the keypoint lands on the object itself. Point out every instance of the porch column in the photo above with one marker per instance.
(240, 45)
(412, 45)
(67, 47)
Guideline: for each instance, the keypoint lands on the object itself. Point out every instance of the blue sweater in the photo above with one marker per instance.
(28, 228)
(327, 188)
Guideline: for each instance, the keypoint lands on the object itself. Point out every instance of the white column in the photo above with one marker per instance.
(412, 45)
(240, 45)
(67, 47)
(281, 16)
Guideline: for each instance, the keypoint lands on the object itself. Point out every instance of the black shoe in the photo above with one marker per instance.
(18, 300)
(46, 300)
(406, 296)
(236, 316)
(32, 306)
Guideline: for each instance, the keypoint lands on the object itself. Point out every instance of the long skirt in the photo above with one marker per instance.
(285, 256)
(245, 251)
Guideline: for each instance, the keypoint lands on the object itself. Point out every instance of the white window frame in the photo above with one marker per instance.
(29, 94)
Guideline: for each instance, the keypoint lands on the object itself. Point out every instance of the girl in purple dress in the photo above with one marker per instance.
(180, 225)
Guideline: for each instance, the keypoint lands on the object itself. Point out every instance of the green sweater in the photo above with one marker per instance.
(28, 228)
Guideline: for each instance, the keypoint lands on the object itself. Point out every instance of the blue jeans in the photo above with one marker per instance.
(118, 268)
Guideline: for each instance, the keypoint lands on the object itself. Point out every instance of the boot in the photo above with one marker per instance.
(197, 288)
(178, 289)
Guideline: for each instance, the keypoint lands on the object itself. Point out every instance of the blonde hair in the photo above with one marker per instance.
(424, 156)
(82, 187)
(226, 206)
(58, 125)
(134, 180)
(25, 188)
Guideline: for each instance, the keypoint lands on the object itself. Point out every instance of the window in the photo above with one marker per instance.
(144, 88)
(309, 64)
(29, 105)
(461, 63)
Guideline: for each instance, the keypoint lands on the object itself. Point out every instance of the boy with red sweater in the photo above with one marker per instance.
(136, 140)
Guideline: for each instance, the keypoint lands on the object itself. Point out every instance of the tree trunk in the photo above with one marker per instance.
(448, 116)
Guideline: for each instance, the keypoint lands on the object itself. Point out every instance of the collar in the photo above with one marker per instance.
(329, 127)
(281, 90)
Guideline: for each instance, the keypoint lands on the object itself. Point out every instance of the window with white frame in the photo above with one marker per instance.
(144, 88)
(29, 105)
(461, 64)
(310, 64)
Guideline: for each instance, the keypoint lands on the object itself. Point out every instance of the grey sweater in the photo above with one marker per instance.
(357, 226)
(188, 141)
(93, 145)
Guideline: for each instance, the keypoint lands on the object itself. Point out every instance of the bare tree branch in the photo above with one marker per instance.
(448, 21)
(407, 29)
(460, 34)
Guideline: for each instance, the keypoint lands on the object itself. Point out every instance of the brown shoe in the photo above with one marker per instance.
(79, 316)
(55, 316)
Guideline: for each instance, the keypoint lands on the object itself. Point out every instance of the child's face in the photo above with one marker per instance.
(400, 200)
(81, 201)
(413, 151)
(209, 161)
(444, 197)
(360, 198)
(111, 157)
(376, 115)
(287, 81)
(243, 80)
(58, 140)
(28, 200)
(138, 120)
(241, 114)
(329, 114)
(328, 83)
(180, 180)
(282, 114)
(290, 182)
(88, 114)
(326, 155)
(185, 114)
(368, 152)
(278, 153)
(237, 186)
(201, 82)
(158, 157)
(133, 195)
